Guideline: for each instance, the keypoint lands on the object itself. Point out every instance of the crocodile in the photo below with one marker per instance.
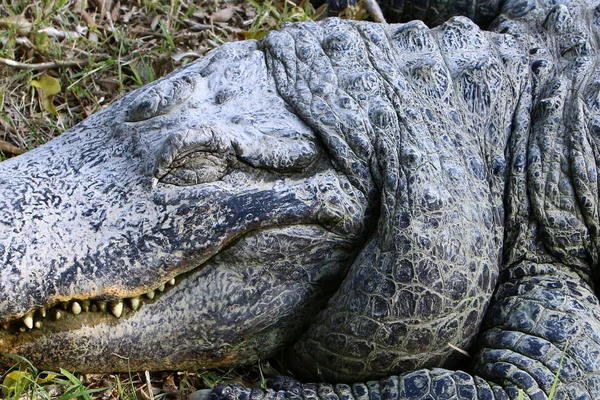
(371, 198)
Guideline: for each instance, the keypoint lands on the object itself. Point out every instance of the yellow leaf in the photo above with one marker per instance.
(49, 378)
(48, 105)
(253, 35)
(15, 382)
(49, 85)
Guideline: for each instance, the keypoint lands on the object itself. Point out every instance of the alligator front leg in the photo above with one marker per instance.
(423, 117)
(543, 319)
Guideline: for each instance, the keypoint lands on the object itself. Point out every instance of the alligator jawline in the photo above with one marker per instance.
(36, 318)
(105, 304)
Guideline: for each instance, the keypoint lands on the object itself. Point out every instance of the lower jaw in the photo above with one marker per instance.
(188, 326)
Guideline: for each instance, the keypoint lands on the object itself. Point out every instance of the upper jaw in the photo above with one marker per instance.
(75, 242)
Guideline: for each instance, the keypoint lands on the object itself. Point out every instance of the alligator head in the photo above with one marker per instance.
(193, 204)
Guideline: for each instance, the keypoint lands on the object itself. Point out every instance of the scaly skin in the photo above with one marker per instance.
(433, 186)
(534, 149)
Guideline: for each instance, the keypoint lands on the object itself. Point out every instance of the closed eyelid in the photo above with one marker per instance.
(189, 141)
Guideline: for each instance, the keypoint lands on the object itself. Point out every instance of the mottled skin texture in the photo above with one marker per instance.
(418, 186)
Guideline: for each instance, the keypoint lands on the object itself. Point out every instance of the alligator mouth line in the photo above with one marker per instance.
(35, 319)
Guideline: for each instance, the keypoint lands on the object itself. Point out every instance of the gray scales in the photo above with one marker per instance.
(360, 194)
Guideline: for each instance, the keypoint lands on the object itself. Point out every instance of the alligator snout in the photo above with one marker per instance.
(173, 215)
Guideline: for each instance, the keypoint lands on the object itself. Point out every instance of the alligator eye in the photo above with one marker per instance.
(160, 99)
(193, 168)
(193, 156)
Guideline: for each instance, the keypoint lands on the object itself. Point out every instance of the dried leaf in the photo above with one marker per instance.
(320, 12)
(92, 37)
(17, 22)
(179, 56)
(154, 22)
(8, 148)
(374, 10)
(88, 19)
(116, 12)
(55, 33)
(77, 6)
(108, 6)
(223, 15)
(101, 5)
(129, 14)
(24, 41)
(170, 387)
(108, 84)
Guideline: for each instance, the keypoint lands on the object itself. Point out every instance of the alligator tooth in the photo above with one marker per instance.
(150, 294)
(161, 288)
(28, 321)
(22, 329)
(101, 305)
(85, 305)
(38, 324)
(76, 308)
(65, 305)
(134, 303)
(43, 312)
(93, 308)
(117, 308)
(5, 325)
(58, 315)
(172, 282)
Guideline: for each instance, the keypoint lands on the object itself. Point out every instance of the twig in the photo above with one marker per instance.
(50, 65)
(149, 385)
(459, 349)
(374, 10)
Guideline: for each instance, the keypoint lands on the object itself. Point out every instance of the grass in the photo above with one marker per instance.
(25, 381)
(552, 394)
(99, 49)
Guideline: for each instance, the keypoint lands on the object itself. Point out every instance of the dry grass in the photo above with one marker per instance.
(99, 49)
(24, 381)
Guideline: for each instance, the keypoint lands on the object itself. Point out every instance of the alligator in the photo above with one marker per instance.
(372, 198)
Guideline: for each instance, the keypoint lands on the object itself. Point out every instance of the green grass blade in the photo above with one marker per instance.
(555, 383)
